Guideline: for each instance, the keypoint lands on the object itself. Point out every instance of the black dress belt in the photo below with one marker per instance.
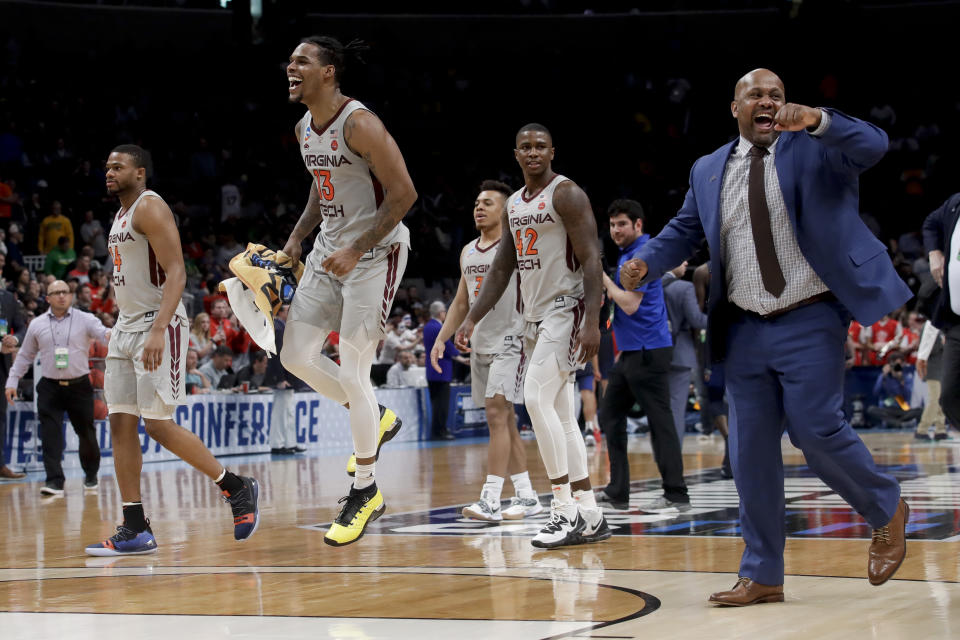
(69, 381)
(826, 296)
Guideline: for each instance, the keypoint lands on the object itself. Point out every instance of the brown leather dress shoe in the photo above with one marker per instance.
(889, 546)
(747, 592)
(7, 472)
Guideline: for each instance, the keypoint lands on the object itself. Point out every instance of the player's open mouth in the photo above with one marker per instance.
(763, 121)
(294, 82)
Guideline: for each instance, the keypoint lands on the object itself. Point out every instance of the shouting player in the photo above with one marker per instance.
(557, 251)
(360, 192)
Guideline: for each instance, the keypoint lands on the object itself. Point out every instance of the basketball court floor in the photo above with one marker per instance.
(423, 572)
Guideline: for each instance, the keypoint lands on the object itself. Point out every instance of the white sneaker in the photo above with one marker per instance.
(589, 440)
(560, 531)
(483, 510)
(521, 508)
(598, 531)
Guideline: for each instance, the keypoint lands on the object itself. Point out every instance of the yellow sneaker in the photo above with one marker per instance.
(389, 426)
(360, 508)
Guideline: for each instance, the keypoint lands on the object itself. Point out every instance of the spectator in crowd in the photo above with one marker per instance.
(891, 389)
(405, 372)
(12, 329)
(397, 337)
(200, 339)
(219, 369)
(81, 271)
(8, 198)
(685, 318)
(255, 373)
(13, 243)
(859, 350)
(92, 233)
(929, 368)
(59, 258)
(221, 329)
(53, 228)
(881, 337)
(84, 300)
(196, 382)
(439, 383)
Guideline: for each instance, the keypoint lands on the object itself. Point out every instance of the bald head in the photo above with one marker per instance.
(756, 77)
(758, 96)
(59, 297)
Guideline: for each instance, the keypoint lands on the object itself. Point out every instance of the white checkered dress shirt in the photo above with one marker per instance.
(738, 253)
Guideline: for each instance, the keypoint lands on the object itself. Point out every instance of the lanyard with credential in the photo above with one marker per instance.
(61, 355)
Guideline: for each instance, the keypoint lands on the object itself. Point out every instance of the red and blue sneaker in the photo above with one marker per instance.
(246, 509)
(125, 542)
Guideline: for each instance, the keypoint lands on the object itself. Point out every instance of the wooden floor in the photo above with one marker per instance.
(422, 572)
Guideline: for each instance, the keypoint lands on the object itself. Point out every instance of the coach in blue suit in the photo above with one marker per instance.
(792, 261)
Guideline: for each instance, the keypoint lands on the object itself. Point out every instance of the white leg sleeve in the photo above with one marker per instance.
(356, 357)
(544, 383)
(302, 355)
(576, 448)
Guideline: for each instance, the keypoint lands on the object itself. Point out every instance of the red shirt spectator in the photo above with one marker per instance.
(881, 332)
(856, 333)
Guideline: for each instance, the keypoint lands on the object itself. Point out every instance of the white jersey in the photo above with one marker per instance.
(348, 191)
(138, 278)
(549, 270)
(503, 324)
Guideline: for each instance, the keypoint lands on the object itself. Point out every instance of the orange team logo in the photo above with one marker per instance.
(542, 205)
(123, 224)
(334, 145)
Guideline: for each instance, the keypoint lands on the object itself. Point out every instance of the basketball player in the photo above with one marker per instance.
(495, 354)
(146, 358)
(557, 251)
(360, 192)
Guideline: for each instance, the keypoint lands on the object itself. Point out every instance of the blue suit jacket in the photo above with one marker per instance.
(819, 178)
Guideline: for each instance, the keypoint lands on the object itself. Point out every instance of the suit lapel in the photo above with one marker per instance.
(785, 174)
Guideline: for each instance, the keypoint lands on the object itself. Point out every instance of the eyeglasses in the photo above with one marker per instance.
(58, 293)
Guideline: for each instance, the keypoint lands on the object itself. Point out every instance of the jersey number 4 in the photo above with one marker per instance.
(115, 254)
(531, 236)
(324, 186)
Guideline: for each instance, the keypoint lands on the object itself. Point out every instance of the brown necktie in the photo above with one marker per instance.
(760, 222)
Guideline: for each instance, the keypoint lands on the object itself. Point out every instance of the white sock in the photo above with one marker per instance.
(364, 475)
(521, 484)
(588, 426)
(561, 493)
(222, 473)
(585, 498)
(492, 489)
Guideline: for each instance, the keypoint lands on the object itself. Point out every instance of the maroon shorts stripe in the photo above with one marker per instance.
(575, 331)
(173, 332)
(393, 261)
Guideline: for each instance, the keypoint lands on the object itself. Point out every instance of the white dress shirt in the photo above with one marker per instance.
(737, 250)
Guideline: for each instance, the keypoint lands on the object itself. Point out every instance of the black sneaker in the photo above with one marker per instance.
(51, 489)
(940, 436)
(607, 502)
(246, 509)
(91, 483)
(597, 532)
(922, 435)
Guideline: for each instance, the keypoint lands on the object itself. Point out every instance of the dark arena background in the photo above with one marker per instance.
(633, 94)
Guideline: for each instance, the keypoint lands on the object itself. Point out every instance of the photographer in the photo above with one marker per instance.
(893, 411)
